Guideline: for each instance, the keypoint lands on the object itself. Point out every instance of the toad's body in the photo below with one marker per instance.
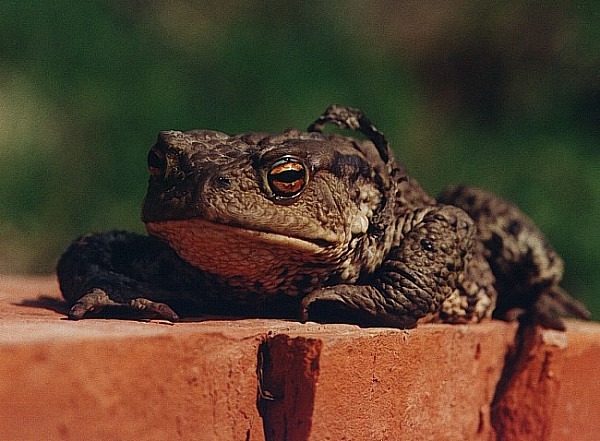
(326, 227)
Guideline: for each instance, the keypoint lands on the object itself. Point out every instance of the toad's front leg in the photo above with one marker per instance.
(121, 269)
(414, 280)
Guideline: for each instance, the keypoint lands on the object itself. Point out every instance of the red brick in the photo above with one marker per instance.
(435, 382)
(576, 414)
(552, 386)
(126, 380)
(288, 371)
(131, 380)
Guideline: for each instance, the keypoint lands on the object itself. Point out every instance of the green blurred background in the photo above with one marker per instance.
(502, 95)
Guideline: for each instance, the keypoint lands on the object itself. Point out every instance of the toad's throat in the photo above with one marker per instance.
(246, 257)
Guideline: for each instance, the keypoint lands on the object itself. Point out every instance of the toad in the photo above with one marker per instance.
(313, 226)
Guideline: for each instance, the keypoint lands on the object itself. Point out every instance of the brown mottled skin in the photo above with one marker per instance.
(318, 227)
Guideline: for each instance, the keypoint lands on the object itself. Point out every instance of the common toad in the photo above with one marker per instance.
(314, 226)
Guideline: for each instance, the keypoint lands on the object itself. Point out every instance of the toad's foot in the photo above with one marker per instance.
(97, 299)
(554, 304)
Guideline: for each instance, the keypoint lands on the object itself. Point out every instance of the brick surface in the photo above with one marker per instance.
(122, 380)
(551, 387)
(436, 382)
(273, 379)
(576, 414)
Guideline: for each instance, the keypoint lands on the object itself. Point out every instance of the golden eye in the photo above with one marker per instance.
(287, 177)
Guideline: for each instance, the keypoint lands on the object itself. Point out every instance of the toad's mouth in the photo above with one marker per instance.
(195, 229)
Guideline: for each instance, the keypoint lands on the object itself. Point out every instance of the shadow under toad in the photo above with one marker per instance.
(188, 314)
(46, 302)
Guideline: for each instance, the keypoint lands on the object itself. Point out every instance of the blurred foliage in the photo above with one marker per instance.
(501, 95)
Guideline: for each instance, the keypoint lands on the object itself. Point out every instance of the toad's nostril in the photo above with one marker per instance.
(157, 162)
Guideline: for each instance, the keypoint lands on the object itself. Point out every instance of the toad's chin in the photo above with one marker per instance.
(245, 256)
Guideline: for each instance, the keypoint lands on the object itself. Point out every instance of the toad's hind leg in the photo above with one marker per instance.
(526, 267)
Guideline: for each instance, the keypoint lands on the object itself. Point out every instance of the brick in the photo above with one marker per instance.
(288, 372)
(436, 382)
(576, 414)
(270, 380)
(125, 380)
(551, 386)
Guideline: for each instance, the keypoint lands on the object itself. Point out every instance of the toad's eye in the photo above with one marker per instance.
(287, 177)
